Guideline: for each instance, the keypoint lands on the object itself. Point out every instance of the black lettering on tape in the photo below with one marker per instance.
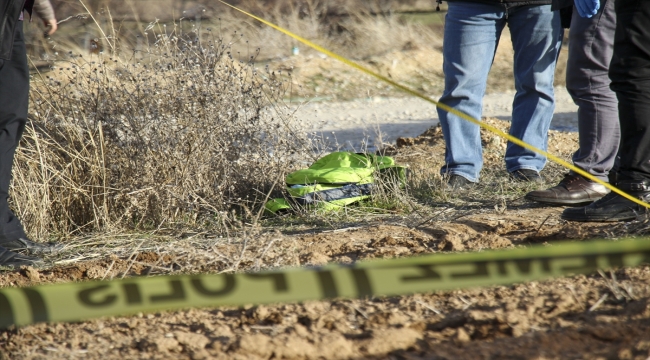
(590, 264)
(362, 282)
(227, 288)
(480, 270)
(646, 257)
(627, 262)
(86, 296)
(132, 292)
(177, 293)
(524, 266)
(37, 303)
(279, 280)
(615, 260)
(428, 273)
(6, 312)
(327, 284)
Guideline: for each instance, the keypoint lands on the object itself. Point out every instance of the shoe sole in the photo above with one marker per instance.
(558, 201)
(523, 179)
(35, 264)
(52, 250)
(598, 218)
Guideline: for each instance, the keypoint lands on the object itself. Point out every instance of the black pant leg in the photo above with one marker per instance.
(14, 97)
(630, 75)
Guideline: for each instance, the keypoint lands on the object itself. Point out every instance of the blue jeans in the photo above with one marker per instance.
(472, 32)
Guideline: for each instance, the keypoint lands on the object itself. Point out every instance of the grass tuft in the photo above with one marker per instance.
(179, 132)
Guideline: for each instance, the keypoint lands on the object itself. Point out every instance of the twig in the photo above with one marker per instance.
(598, 303)
(357, 310)
(429, 307)
(78, 16)
(135, 251)
(542, 224)
(259, 259)
(343, 230)
(467, 303)
(433, 217)
(96, 23)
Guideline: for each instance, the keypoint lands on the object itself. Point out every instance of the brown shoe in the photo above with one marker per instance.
(572, 190)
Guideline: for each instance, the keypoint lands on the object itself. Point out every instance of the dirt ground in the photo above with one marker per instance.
(599, 316)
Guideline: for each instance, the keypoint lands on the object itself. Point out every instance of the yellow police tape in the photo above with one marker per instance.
(444, 107)
(87, 300)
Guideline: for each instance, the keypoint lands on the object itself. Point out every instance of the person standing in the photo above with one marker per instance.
(14, 96)
(629, 72)
(591, 44)
(471, 36)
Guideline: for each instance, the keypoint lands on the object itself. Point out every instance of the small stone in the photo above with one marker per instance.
(31, 273)
(462, 336)
(166, 344)
(192, 340)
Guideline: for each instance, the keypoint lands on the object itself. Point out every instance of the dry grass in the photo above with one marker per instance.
(175, 126)
(169, 126)
(177, 133)
(357, 29)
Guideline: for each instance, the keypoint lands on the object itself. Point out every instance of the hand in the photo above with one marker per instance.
(587, 8)
(51, 25)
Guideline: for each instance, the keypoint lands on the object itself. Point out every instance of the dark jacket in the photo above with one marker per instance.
(565, 7)
(509, 2)
(561, 4)
(10, 13)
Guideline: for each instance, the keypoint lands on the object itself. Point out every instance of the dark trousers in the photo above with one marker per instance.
(590, 53)
(630, 75)
(14, 96)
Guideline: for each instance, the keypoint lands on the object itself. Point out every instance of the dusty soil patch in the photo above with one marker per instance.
(581, 317)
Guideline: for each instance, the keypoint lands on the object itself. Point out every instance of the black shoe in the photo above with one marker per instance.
(30, 247)
(572, 190)
(527, 175)
(11, 259)
(457, 182)
(614, 207)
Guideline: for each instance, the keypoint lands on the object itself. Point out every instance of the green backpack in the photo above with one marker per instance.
(336, 180)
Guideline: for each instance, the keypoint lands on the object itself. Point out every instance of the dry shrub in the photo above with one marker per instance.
(169, 124)
(353, 30)
(168, 10)
(179, 132)
(357, 29)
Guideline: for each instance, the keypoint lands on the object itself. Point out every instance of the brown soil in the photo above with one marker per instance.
(600, 316)
(418, 67)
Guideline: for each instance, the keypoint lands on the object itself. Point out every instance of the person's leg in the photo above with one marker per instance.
(472, 32)
(536, 38)
(14, 96)
(630, 75)
(591, 44)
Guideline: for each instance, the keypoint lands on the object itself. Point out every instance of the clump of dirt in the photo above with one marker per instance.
(347, 246)
(114, 267)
